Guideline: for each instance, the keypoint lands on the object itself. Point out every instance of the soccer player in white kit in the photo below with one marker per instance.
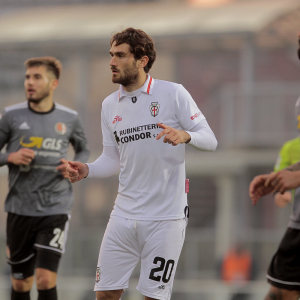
(145, 126)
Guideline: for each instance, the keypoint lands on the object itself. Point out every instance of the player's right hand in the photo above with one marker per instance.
(24, 156)
(76, 171)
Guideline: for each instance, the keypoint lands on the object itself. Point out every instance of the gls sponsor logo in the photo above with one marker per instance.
(39, 142)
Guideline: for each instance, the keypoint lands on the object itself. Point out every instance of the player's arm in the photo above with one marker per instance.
(282, 162)
(196, 131)
(23, 156)
(173, 136)
(107, 164)
(257, 188)
(201, 136)
(284, 180)
(281, 200)
(280, 182)
(79, 143)
(294, 167)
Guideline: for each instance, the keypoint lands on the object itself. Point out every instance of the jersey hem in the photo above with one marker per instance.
(102, 289)
(143, 218)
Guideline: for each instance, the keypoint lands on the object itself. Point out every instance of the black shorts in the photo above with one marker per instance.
(35, 242)
(284, 270)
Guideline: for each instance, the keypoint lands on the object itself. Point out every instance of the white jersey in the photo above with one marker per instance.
(152, 173)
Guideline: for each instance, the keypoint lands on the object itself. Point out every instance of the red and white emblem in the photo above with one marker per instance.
(154, 109)
(97, 279)
(60, 128)
(117, 119)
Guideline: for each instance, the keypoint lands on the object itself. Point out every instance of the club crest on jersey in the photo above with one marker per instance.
(154, 109)
(97, 279)
(133, 99)
(60, 128)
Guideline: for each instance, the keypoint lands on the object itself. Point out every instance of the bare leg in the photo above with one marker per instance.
(109, 295)
(281, 294)
(45, 279)
(22, 285)
(148, 298)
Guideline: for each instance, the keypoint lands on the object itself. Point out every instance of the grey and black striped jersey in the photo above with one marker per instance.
(39, 189)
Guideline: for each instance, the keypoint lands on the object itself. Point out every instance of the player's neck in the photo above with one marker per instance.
(44, 105)
(141, 79)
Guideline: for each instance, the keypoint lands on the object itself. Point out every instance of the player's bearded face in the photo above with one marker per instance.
(37, 84)
(39, 95)
(127, 76)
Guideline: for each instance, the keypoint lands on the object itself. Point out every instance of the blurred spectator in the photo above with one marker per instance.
(237, 270)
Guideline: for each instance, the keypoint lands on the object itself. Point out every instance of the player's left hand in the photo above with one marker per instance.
(173, 136)
(257, 188)
(63, 168)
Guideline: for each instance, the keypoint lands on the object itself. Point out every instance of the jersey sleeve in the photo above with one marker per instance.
(188, 113)
(107, 164)
(202, 137)
(108, 139)
(79, 142)
(5, 133)
(283, 159)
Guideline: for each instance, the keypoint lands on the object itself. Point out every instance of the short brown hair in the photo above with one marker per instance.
(140, 44)
(51, 63)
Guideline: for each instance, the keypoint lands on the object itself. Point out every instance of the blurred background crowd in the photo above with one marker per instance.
(237, 58)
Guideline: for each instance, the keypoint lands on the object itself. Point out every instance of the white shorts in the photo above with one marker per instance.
(156, 243)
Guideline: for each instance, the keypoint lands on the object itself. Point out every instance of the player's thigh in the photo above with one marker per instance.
(113, 295)
(284, 269)
(160, 257)
(20, 237)
(119, 254)
(52, 233)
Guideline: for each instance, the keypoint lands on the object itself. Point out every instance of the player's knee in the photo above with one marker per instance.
(22, 285)
(44, 282)
(109, 295)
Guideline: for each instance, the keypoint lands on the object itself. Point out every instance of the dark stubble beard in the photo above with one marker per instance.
(38, 100)
(129, 78)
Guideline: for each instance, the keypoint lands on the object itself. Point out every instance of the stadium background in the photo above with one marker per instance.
(238, 60)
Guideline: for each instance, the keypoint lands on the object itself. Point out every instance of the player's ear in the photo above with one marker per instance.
(54, 84)
(143, 61)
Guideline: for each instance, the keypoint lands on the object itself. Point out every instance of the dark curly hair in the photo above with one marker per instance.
(140, 44)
